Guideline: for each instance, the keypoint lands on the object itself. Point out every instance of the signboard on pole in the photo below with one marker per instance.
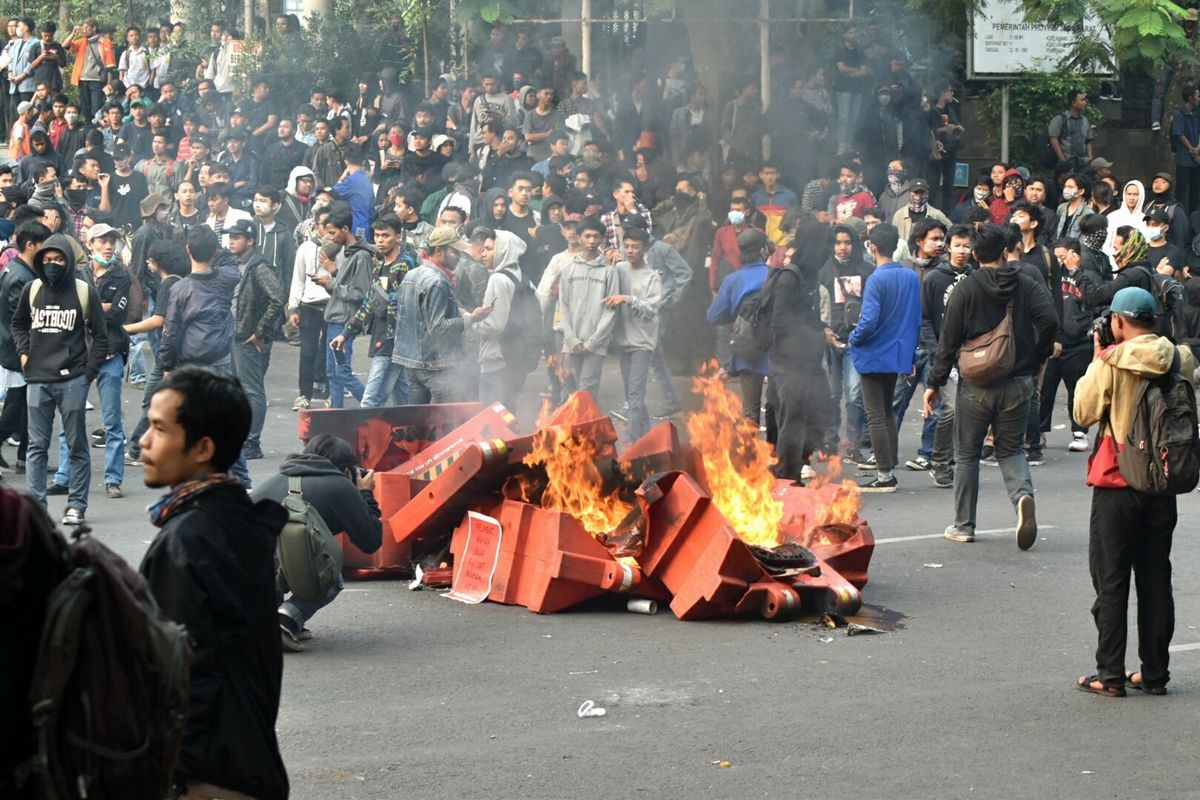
(1001, 44)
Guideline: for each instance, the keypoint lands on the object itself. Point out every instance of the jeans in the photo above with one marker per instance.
(69, 397)
(312, 348)
(843, 378)
(339, 367)
(137, 357)
(91, 98)
(14, 419)
(1067, 368)
(250, 366)
(878, 389)
(943, 435)
(635, 369)
(587, 368)
(385, 381)
(1004, 407)
(1033, 417)
(803, 408)
(501, 386)
(108, 385)
(303, 610)
(903, 397)
(427, 386)
(848, 106)
(1131, 530)
(662, 371)
(152, 383)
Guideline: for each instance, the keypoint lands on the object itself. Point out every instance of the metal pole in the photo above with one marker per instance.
(1004, 122)
(764, 49)
(586, 33)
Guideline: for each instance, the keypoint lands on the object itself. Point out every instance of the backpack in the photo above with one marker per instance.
(310, 560)
(1171, 320)
(990, 357)
(137, 301)
(521, 342)
(751, 336)
(110, 690)
(1049, 157)
(1161, 455)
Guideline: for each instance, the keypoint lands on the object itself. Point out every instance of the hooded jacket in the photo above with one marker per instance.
(1107, 394)
(258, 302)
(1180, 234)
(198, 325)
(977, 306)
(294, 209)
(936, 288)
(885, 338)
(499, 295)
(349, 286)
(52, 329)
(211, 568)
(343, 506)
(586, 320)
(13, 278)
(1123, 216)
(845, 282)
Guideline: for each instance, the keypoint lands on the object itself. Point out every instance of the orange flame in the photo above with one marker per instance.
(736, 461)
(823, 501)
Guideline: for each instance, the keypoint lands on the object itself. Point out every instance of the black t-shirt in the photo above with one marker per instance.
(1173, 254)
(853, 58)
(164, 294)
(125, 193)
(520, 226)
(138, 137)
(50, 70)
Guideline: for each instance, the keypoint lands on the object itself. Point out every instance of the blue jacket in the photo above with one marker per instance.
(885, 338)
(429, 326)
(723, 310)
(198, 324)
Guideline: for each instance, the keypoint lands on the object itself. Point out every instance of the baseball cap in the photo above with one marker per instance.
(919, 185)
(139, 103)
(1100, 163)
(1159, 215)
(447, 237)
(1134, 302)
(24, 106)
(151, 203)
(1166, 176)
(751, 239)
(101, 229)
(199, 138)
(120, 151)
(241, 227)
(426, 132)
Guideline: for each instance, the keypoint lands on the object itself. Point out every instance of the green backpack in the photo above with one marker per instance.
(310, 559)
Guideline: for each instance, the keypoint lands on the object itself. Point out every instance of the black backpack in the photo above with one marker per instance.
(1171, 320)
(1161, 455)
(521, 342)
(110, 689)
(751, 336)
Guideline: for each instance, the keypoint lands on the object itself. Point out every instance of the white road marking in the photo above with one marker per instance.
(991, 532)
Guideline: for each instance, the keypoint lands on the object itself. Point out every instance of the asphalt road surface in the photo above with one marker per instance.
(408, 694)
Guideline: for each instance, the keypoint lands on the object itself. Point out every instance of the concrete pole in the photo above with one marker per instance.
(764, 48)
(319, 7)
(1004, 122)
(585, 55)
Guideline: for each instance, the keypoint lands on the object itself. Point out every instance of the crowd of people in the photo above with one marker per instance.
(522, 222)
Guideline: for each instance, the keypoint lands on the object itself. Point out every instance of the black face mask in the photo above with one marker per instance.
(683, 199)
(54, 273)
(76, 196)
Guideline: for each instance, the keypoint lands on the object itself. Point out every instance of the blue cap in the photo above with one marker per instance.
(1135, 303)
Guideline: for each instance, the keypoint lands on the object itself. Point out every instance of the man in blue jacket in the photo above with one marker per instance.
(883, 345)
(737, 285)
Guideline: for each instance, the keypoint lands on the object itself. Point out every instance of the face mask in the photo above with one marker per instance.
(917, 206)
(76, 196)
(683, 199)
(1094, 241)
(736, 217)
(846, 185)
(54, 273)
(101, 260)
(1018, 191)
(1154, 234)
(71, 118)
(883, 99)
(1069, 194)
(981, 195)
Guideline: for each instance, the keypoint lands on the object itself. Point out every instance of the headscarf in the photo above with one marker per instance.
(1123, 216)
(1133, 250)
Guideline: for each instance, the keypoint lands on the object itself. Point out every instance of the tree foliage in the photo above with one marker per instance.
(1034, 100)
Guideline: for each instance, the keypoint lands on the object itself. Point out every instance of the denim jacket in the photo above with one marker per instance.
(429, 326)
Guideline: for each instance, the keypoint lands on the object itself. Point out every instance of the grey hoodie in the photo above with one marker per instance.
(637, 318)
(499, 295)
(581, 292)
(349, 287)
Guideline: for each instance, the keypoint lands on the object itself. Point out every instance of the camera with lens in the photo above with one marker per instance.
(1102, 326)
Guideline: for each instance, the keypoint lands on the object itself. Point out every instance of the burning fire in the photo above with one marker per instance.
(736, 461)
(575, 485)
(823, 501)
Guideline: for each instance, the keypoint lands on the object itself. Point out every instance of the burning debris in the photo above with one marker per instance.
(558, 517)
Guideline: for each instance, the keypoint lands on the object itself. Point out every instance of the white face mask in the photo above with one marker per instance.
(1153, 233)
(1069, 194)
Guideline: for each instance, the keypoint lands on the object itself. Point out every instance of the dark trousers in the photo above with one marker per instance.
(1033, 415)
(15, 419)
(752, 392)
(1131, 530)
(878, 389)
(804, 408)
(91, 98)
(1187, 186)
(153, 381)
(1067, 368)
(312, 348)
(941, 180)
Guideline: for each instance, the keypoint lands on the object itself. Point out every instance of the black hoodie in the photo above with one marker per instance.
(977, 306)
(343, 506)
(845, 281)
(936, 288)
(52, 330)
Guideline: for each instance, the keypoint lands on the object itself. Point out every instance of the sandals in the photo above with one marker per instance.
(1086, 685)
(1141, 687)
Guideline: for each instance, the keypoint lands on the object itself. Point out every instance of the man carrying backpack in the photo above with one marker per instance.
(1132, 523)
(740, 291)
(212, 569)
(333, 485)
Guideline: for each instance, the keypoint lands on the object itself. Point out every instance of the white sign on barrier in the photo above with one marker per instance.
(1002, 44)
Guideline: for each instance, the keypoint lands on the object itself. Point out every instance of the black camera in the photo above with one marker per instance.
(1102, 326)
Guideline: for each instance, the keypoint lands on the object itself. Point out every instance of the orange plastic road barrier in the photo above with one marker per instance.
(657, 451)
(846, 548)
(693, 550)
(828, 591)
(545, 560)
(393, 559)
(385, 437)
(492, 422)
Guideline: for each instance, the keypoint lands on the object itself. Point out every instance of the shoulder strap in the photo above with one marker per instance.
(35, 286)
(294, 483)
(82, 291)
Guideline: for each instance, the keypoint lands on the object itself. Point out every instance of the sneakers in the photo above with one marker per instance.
(1079, 443)
(879, 486)
(290, 632)
(19, 468)
(807, 473)
(918, 464)
(252, 452)
(1156, 126)
(955, 535)
(56, 488)
(1026, 522)
(133, 459)
(73, 517)
(1035, 457)
(113, 491)
(301, 403)
(943, 476)
(987, 456)
(868, 464)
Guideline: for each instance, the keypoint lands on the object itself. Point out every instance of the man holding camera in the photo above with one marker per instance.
(1130, 529)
